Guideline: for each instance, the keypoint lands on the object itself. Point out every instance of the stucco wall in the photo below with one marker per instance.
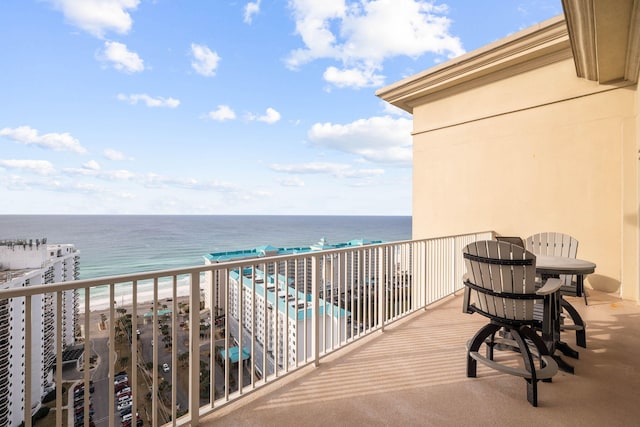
(538, 151)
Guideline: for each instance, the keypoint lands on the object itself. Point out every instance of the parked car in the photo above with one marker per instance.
(123, 405)
(81, 385)
(80, 410)
(128, 418)
(121, 386)
(123, 391)
(165, 367)
(80, 402)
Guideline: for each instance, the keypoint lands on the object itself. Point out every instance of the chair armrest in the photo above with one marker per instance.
(551, 285)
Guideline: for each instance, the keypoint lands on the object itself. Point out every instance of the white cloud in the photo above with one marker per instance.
(91, 165)
(98, 16)
(107, 175)
(148, 100)
(115, 155)
(353, 77)
(361, 36)
(121, 58)
(54, 141)
(338, 170)
(384, 140)
(391, 109)
(93, 170)
(292, 181)
(204, 61)
(251, 9)
(153, 180)
(312, 168)
(224, 112)
(313, 24)
(271, 116)
(40, 167)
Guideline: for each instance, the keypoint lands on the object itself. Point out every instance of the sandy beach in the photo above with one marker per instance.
(143, 308)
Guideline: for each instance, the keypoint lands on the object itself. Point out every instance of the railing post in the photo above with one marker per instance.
(87, 351)
(315, 315)
(60, 343)
(382, 301)
(425, 276)
(27, 361)
(194, 348)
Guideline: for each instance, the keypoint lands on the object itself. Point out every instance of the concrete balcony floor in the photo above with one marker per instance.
(414, 374)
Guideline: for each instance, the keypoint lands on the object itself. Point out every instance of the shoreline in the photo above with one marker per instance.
(143, 308)
(99, 297)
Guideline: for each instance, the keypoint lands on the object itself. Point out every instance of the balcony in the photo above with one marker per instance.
(373, 335)
(414, 374)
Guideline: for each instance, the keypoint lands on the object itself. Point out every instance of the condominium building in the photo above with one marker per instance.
(300, 269)
(283, 289)
(279, 315)
(26, 263)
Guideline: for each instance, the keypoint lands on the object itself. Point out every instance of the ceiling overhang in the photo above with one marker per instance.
(605, 38)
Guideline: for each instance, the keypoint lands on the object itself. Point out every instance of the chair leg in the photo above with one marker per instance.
(491, 344)
(581, 337)
(584, 294)
(532, 383)
(477, 340)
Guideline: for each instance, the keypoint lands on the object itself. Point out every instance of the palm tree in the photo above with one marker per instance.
(118, 332)
(183, 358)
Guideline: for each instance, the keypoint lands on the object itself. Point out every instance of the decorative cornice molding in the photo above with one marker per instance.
(581, 25)
(522, 51)
(590, 24)
(632, 66)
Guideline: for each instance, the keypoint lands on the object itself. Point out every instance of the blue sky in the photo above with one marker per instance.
(222, 107)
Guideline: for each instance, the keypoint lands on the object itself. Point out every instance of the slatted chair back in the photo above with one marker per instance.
(498, 274)
(511, 239)
(554, 244)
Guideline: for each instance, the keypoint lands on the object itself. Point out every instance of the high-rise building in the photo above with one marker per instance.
(274, 312)
(26, 263)
(283, 291)
(299, 269)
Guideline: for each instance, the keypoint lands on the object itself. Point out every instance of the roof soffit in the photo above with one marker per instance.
(605, 38)
(522, 51)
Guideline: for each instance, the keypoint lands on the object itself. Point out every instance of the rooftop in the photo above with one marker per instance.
(268, 250)
(414, 374)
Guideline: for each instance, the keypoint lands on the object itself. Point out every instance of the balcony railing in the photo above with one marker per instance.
(224, 330)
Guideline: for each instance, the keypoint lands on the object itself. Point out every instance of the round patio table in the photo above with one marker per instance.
(554, 266)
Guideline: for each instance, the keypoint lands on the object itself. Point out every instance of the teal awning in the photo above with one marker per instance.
(234, 354)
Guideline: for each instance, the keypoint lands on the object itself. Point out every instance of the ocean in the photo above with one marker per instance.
(120, 244)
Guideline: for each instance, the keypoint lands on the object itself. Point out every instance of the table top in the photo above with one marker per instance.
(563, 265)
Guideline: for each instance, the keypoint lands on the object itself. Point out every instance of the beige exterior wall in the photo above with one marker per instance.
(539, 131)
(541, 150)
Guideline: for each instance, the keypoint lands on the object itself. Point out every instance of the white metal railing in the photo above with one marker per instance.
(262, 318)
